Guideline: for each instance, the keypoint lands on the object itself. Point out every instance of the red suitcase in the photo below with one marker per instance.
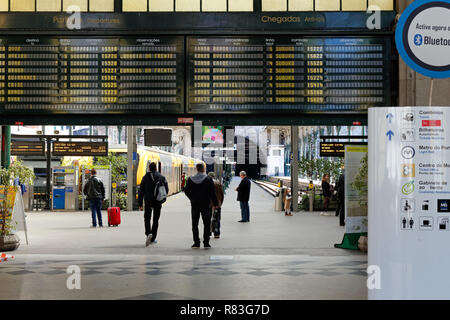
(113, 216)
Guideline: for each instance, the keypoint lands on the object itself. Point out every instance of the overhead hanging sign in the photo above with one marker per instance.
(77, 148)
(423, 37)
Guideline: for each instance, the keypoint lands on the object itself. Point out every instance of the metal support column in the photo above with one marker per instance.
(294, 167)
(131, 167)
(49, 174)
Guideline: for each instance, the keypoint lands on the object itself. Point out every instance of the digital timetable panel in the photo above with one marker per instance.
(27, 148)
(61, 148)
(287, 74)
(83, 75)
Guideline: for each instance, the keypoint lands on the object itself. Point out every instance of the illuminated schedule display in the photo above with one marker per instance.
(83, 75)
(62, 148)
(27, 148)
(288, 74)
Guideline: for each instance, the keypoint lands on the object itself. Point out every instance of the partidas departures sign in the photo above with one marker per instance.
(423, 37)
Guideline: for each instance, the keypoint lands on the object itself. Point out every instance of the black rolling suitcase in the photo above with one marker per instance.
(215, 222)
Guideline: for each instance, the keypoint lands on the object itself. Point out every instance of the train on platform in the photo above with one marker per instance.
(170, 165)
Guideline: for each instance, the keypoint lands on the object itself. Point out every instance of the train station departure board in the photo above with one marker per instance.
(98, 75)
(285, 74)
(27, 148)
(62, 148)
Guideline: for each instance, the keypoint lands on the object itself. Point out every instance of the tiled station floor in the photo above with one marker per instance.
(272, 257)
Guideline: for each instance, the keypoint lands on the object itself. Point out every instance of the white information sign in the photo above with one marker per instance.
(409, 202)
(355, 210)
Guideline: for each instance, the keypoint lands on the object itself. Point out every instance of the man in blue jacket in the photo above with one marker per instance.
(147, 192)
(201, 191)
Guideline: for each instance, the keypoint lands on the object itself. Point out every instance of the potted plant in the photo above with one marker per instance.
(16, 172)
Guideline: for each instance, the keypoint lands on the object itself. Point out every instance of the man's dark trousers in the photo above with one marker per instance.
(96, 209)
(245, 211)
(206, 217)
(156, 209)
(342, 212)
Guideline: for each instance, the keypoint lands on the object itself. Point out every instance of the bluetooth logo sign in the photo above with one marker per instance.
(418, 40)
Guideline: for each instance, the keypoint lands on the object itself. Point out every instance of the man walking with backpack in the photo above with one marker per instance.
(202, 193)
(153, 190)
(95, 193)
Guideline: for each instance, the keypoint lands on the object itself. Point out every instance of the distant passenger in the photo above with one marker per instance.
(217, 213)
(201, 191)
(326, 191)
(183, 181)
(95, 193)
(244, 196)
(287, 202)
(340, 188)
(148, 191)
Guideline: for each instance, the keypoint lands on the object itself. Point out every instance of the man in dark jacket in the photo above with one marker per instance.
(340, 188)
(95, 193)
(147, 193)
(243, 196)
(202, 193)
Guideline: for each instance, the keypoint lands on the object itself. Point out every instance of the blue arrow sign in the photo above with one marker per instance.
(389, 116)
(390, 134)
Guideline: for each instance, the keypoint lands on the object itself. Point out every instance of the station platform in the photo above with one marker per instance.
(272, 257)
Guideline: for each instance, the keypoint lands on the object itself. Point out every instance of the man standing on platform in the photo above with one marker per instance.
(244, 196)
(201, 191)
(95, 193)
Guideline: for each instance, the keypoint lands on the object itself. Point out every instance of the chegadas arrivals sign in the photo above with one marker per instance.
(423, 37)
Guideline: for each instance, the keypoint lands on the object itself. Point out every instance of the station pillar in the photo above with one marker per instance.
(131, 168)
(294, 167)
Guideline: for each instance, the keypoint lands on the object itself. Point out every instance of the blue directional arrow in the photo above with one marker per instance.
(389, 116)
(390, 134)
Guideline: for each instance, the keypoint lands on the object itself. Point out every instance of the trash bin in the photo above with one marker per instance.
(279, 199)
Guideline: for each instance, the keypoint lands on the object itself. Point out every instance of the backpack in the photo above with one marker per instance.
(160, 190)
(91, 192)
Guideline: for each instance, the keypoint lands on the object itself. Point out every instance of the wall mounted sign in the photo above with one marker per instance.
(423, 37)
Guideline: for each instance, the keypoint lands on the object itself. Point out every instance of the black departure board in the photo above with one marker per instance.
(27, 148)
(62, 148)
(336, 149)
(83, 75)
(287, 74)
(332, 149)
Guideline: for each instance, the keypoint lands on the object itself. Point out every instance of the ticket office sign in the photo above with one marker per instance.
(409, 200)
(287, 74)
(92, 75)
